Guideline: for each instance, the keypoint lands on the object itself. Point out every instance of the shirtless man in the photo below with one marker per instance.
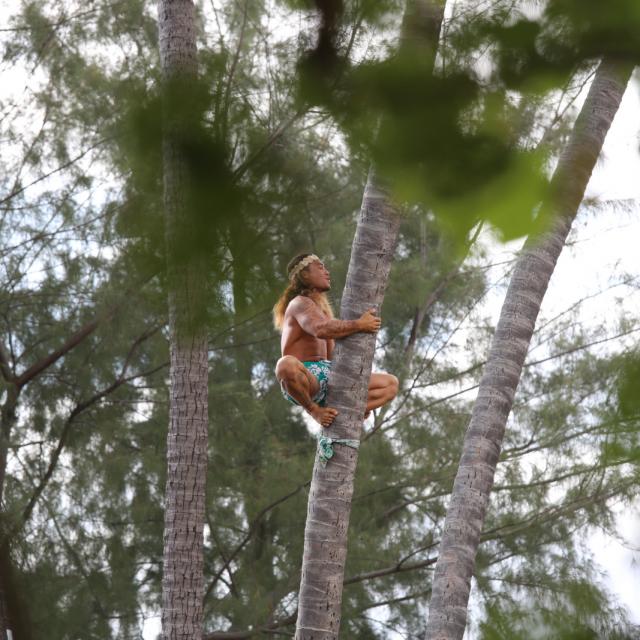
(309, 330)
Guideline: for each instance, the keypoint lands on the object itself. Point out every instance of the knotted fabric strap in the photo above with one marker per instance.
(325, 447)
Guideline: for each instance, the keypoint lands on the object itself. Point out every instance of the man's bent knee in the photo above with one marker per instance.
(394, 385)
(287, 367)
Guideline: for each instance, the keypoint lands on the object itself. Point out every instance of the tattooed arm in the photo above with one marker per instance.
(314, 322)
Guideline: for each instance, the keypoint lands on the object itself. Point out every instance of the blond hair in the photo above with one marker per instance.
(298, 287)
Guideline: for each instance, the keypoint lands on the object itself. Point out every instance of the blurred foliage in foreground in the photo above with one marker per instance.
(277, 168)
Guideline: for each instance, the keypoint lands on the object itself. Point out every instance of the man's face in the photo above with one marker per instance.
(317, 276)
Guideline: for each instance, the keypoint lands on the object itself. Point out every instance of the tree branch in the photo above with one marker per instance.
(234, 63)
(5, 366)
(72, 342)
(497, 533)
(78, 409)
(62, 167)
(252, 528)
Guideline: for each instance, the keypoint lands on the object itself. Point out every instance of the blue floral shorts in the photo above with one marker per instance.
(320, 369)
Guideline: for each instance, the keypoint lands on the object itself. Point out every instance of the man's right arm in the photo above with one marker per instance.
(314, 322)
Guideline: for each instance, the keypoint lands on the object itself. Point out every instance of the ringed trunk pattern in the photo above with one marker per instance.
(182, 581)
(331, 491)
(325, 536)
(483, 440)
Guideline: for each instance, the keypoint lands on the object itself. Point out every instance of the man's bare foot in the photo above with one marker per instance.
(323, 415)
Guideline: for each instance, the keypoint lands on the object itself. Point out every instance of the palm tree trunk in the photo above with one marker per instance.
(483, 440)
(182, 581)
(325, 536)
(329, 507)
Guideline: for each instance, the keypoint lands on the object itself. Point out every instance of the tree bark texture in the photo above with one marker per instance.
(483, 440)
(331, 491)
(5, 624)
(182, 581)
(325, 537)
(10, 614)
(7, 422)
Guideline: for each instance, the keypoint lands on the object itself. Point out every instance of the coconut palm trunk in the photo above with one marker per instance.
(329, 507)
(483, 440)
(182, 581)
(325, 536)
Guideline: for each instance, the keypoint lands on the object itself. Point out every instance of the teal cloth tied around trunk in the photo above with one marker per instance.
(325, 447)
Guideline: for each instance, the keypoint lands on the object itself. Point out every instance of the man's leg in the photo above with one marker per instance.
(302, 386)
(383, 387)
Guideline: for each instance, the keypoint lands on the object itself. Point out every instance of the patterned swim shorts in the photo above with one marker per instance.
(320, 369)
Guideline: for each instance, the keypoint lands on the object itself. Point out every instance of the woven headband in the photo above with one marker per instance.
(305, 262)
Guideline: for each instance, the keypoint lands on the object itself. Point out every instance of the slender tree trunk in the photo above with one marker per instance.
(6, 624)
(329, 507)
(4, 613)
(182, 581)
(483, 440)
(12, 614)
(325, 536)
(5, 433)
(7, 422)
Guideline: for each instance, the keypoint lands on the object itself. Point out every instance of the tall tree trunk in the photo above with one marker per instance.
(13, 614)
(483, 440)
(182, 581)
(5, 625)
(329, 507)
(325, 536)
(7, 420)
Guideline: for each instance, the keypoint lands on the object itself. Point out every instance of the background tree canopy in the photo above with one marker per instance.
(293, 101)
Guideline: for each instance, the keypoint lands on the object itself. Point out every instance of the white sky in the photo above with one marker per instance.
(607, 244)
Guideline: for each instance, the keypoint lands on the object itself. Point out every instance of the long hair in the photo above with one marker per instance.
(298, 287)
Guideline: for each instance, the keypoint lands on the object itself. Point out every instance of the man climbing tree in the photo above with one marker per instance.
(331, 491)
(309, 331)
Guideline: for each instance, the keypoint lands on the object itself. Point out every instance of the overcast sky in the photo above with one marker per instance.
(606, 245)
